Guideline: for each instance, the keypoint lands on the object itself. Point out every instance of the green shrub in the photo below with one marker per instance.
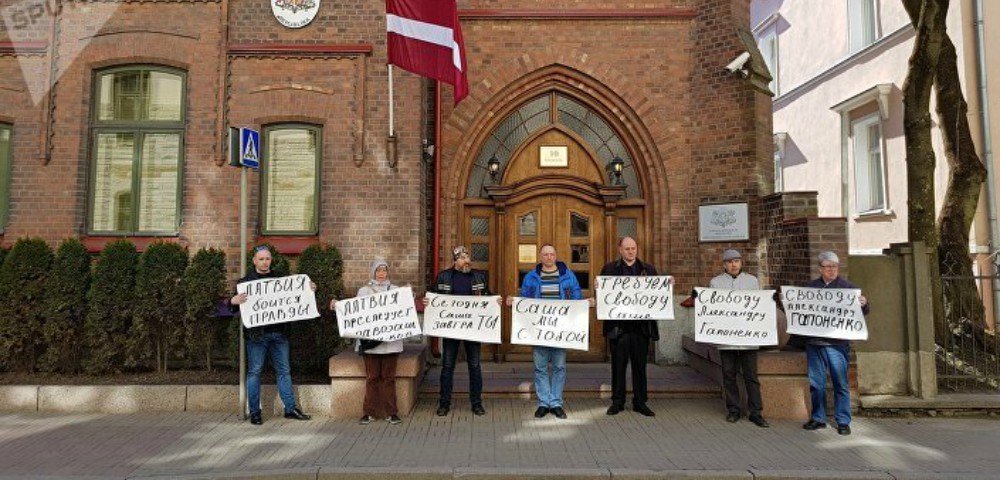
(158, 322)
(110, 308)
(313, 342)
(23, 278)
(204, 284)
(65, 308)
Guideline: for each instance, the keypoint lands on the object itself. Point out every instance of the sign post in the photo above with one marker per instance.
(244, 152)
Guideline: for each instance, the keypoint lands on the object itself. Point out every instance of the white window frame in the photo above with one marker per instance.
(780, 138)
(765, 31)
(856, 23)
(862, 155)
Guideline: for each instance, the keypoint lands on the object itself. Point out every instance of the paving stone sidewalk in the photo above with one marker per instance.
(688, 438)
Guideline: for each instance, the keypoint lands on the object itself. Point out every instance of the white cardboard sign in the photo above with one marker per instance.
(385, 316)
(550, 323)
(825, 312)
(277, 300)
(735, 317)
(463, 317)
(635, 298)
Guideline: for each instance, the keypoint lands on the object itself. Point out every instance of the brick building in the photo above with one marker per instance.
(118, 128)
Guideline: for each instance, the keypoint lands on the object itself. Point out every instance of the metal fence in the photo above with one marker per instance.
(967, 344)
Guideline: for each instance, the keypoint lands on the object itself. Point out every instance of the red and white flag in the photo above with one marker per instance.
(425, 38)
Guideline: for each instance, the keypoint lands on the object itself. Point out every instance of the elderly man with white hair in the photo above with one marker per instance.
(830, 355)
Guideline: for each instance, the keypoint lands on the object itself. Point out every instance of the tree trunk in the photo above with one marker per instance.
(928, 17)
(960, 305)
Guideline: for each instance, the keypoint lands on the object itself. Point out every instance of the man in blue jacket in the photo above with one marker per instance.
(830, 355)
(550, 279)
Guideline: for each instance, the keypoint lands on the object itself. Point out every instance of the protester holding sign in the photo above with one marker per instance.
(739, 358)
(380, 357)
(830, 354)
(629, 339)
(267, 340)
(550, 279)
(461, 279)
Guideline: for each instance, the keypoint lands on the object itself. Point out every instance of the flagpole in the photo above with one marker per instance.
(392, 103)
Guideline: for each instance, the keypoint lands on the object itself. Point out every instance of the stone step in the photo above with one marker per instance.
(583, 380)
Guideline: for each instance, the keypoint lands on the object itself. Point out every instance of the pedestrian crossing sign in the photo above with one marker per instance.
(244, 147)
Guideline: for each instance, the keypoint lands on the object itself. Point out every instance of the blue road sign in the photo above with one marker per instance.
(249, 148)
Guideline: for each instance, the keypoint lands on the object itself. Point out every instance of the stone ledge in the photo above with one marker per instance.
(957, 401)
(120, 399)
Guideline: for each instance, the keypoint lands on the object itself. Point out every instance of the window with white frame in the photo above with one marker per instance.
(767, 42)
(869, 165)
(863, 23)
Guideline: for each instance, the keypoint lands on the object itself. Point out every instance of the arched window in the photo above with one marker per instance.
(137, 150)
(537, 114)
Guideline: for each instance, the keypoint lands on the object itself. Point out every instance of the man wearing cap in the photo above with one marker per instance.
(830, 355)
(460, 279)
(739, 358)
(629, 340)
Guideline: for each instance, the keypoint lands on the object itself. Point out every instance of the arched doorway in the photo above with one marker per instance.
(545, 174)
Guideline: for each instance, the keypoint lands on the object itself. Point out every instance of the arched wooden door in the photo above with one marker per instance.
(576, 229)
(553, 185)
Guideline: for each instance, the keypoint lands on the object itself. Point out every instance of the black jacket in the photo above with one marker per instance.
(443, 282)
(613, 329)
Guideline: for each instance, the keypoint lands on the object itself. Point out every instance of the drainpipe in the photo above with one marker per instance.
(991, 194)
(435, 350)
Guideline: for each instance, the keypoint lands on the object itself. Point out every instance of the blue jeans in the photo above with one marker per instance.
(276, 345)
(549, 388)
(473, 354)
(834, 359)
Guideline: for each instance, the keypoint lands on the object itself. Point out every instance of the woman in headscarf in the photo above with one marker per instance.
(380, 357)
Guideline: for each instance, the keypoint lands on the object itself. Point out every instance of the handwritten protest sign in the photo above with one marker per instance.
(463, 317)
(825, 312)
(635, 298)
(277, 300)
(551, 323)
(385, 316)
(735, 317)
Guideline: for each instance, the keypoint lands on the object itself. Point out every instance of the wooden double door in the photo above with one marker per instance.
(577, 231)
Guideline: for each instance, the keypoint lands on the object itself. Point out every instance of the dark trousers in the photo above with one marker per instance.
(734, 361)
(380, 384)
(629, 347)
(449, 356)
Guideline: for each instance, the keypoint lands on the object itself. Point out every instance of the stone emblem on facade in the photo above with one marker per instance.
(295, 13)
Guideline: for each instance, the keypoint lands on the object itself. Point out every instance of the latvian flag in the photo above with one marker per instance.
(425, 38)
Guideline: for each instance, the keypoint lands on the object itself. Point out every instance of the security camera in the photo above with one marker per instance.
(738, 65)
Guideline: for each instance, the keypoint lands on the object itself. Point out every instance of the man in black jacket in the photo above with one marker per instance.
(461, 279)
(629, 339)
(267, 340)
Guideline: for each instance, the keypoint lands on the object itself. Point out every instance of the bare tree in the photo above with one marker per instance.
(935, 61)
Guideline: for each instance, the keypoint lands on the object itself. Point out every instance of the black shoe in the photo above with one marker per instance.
(644, 410)
(759, 421)
(255, 419)
(844, 429)
(443, 410)
(394, 420)
(478, 410)
(615, 409)
(733, 417)
(559, 413)
(541, 412)
(814, 425)
(297, 414)
(365, 420)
